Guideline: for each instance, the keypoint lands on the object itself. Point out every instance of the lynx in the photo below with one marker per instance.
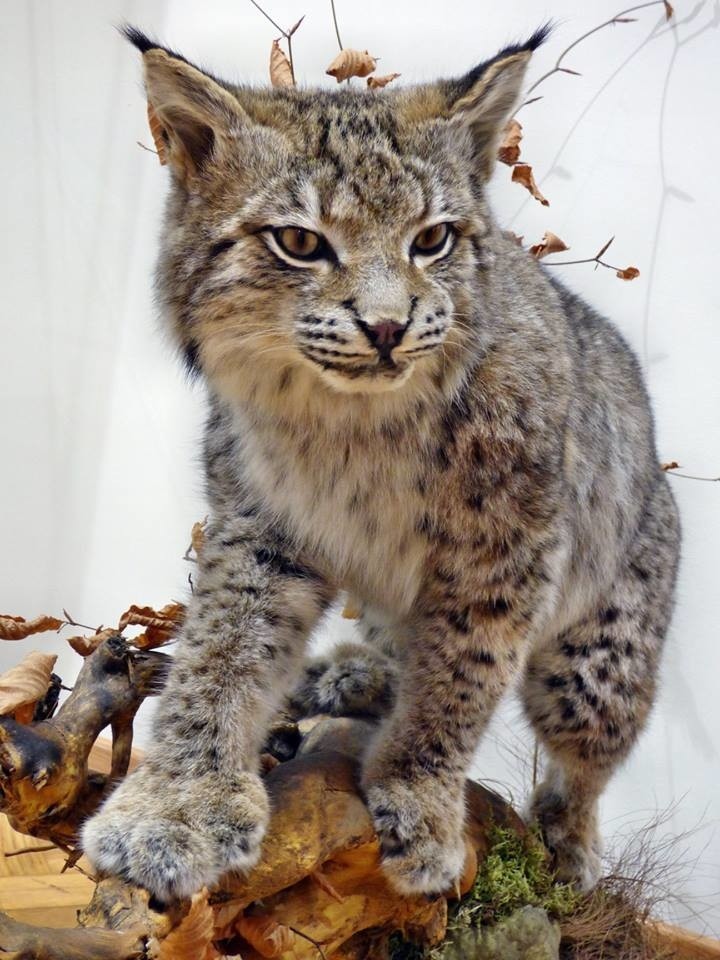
(406, 406)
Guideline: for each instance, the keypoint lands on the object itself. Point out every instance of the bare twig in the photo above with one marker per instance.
(337, 31)
(307, 937)
(19, 853)
(268, 17)
(598, 261)
(70, 621)
(149, 149)
(287, 34)
(689, 476)
(620, 17)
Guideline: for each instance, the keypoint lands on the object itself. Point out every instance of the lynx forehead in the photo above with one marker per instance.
(404, 404)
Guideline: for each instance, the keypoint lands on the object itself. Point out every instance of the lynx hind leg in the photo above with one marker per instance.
(588, 693)
(352, 679)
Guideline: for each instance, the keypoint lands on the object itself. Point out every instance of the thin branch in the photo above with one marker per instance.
(597, 259)
(70, 621)
(285, 33)
(19, 853)
(149, 149)
(690, 476)
(307, 937)
(620, 17)
(337, 30)
(268, 17)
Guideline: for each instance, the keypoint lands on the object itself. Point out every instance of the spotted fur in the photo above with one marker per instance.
(488, 489)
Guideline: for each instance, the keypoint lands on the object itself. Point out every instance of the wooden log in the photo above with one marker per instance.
(46, 789)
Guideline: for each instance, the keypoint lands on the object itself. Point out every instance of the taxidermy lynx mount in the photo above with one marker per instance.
(403, 405)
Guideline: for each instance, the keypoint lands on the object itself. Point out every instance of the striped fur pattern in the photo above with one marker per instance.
(488, 488)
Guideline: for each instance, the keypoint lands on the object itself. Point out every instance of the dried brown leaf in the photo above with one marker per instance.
(280, 69)
(17, 628)
(158, 134)
(192, 938)
(351, 63)
(669, 10)
(629, 273)
(509, 149)
(27, 682)
(550, 243)
(377, 83)
(88, 644)
(523, 173)
(169, 617)
(672, 465)
(197, 536)
(267, 936)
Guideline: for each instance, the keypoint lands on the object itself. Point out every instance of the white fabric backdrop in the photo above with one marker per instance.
(100, 483)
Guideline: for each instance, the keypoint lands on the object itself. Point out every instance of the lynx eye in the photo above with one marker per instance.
(432, 240)
(299, 243)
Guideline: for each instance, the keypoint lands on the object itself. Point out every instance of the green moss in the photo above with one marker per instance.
(514, 874)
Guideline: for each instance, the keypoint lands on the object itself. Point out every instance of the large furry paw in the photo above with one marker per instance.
(353, 680)
(420, 831)
(173, 838)
(574, 842)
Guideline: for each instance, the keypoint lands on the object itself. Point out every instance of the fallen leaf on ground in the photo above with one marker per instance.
(192, 938)
(351, 63)
(629, 273)
(523, 173)
(509, 149)
(17, 628)
(377, 83)
(550, 243)
(280, 69)
(27, 682)
(267, 936)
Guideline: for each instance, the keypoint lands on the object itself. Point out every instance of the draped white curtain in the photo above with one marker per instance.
(99, 477)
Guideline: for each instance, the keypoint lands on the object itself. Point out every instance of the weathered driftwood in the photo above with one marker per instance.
(318, 888)
(46, 789)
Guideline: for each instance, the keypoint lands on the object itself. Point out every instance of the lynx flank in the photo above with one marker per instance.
(406, 406)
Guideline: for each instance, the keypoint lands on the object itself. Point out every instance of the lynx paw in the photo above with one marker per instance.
(573, 842)
(174, 838)
(354, 680)
(420, 831)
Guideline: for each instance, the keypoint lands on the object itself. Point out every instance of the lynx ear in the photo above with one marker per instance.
(191, 112)
(484, 98)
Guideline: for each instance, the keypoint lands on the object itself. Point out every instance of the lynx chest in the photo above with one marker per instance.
(353, 501)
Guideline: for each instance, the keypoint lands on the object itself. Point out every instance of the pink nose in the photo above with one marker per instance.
(386, 333)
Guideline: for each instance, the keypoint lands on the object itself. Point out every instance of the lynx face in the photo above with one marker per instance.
(359, 290)
(335, 231)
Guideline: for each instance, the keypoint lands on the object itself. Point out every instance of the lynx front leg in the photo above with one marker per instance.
(457, 662)
(196, 808)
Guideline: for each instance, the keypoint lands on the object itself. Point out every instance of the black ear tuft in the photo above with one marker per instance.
(533, 42)
(464, 84)
(143, 43)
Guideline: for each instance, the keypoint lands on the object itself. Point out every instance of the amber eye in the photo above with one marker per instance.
(300, 244)
(431, 240)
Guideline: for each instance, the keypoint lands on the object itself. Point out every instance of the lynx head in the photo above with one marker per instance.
(329, 235)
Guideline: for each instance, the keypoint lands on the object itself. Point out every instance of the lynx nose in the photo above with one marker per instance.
(385, 335)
